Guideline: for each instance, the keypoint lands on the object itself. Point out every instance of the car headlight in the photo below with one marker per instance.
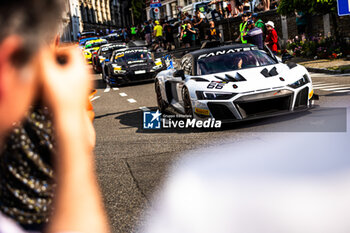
(157, 67)
(102, 59)
(118, 69)
(205, 95)
(301, 82)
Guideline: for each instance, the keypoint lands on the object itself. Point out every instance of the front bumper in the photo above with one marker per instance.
(254, 105)
(131, 77)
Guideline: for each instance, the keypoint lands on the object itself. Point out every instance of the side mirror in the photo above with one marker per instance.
(179, 74)
(286, 57)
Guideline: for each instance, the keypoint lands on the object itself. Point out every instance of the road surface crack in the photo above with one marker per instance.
(136, 182)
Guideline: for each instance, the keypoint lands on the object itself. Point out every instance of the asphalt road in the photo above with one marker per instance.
(132, 162)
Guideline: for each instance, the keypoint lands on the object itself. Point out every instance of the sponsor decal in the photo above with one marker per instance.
(311, 94)
(222, 52)
(112, 47)
(155, 120)
(137, 61)
(202, 111)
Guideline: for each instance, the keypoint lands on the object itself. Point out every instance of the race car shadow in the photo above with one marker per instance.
(315, 120)
(134, 118)
(99, 84)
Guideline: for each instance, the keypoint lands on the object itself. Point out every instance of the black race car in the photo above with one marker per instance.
(104, 52)
(131, 65)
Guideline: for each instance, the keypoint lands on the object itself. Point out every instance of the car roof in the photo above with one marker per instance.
(114, 43)
(225, 47)
(132, 48)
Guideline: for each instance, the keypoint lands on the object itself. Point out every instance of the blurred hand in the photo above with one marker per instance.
(65, 79)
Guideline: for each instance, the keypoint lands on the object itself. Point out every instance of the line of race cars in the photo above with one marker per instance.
(232, 82)
(122, 63)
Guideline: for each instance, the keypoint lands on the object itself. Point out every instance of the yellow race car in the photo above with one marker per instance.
(92, 47)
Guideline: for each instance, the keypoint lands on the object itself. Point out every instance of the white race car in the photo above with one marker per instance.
(233, 83)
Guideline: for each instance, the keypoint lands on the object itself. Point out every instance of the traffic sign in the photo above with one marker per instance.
(155, 5)
(156, 10)
(155, 1)
(343, 7)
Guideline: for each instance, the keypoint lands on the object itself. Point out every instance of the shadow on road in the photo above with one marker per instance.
(99, 84)
(314, 120)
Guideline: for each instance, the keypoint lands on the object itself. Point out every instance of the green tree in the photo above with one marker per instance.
(311, 7)
(137, 7)
(287, 7)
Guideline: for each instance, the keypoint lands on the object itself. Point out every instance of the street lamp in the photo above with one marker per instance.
(132, 16)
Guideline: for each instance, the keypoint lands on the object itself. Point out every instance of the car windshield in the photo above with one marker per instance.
(132, 56)
(202, 7)
(109, 50)
(233, 61)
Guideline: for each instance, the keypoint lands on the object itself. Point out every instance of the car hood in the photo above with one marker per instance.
(255, 79)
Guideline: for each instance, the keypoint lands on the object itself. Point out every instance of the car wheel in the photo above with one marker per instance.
(187, 102)
(161, 103)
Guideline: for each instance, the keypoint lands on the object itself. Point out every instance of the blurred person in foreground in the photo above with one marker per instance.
(30, 69)
(268, 183)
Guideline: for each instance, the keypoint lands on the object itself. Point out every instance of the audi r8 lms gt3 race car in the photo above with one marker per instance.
(233, 83)
(92, 47)
(131, 65)
(103, 53)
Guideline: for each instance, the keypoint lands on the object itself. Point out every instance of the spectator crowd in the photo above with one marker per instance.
(191, 30)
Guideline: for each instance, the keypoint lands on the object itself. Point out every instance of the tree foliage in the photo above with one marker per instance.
(137, 7)
(287, 7)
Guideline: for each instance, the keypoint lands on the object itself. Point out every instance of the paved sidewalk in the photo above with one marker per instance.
(334, 66)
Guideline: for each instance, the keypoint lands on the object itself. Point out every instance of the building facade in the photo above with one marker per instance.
(168, 10)
(100, 16)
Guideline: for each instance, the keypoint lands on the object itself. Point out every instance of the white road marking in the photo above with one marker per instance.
(330, 86)
(326, 84)
(132, 101)
(145, 109)
(108, 88)
(334, 89)
(115, 89)
(95, 98)
(123, 94)
(342, 91)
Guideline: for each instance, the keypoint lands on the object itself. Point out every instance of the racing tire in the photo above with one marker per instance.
(187, 102)
(162, 105)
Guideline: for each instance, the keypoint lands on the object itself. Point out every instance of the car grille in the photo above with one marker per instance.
(220, 112)
(264, 106)
(139, 77)
(139, 67)
(302, 98)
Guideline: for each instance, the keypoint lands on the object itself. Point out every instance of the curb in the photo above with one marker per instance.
(325, 71)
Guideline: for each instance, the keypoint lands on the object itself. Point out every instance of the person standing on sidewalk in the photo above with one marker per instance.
(158, 34)
(213, 32)
(133, 32)
(254, 35)
(259, 23)
(148, 34)
(242, 29)
(200, 24)
(301, 22)
(271, 37)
